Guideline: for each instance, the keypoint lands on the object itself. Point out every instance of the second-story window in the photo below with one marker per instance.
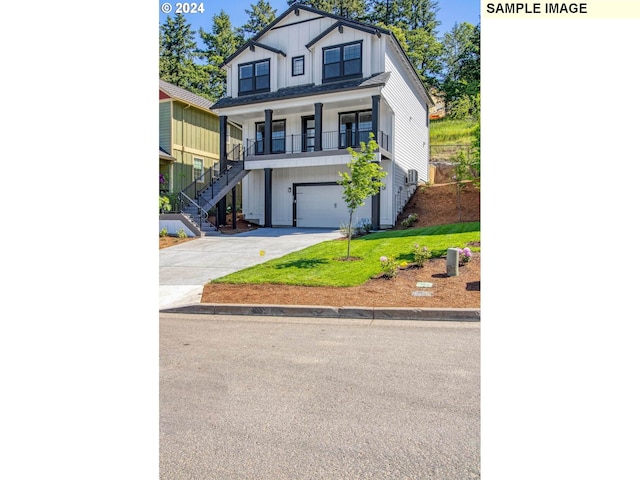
(297, 66)
(341, 62)
(254, 77)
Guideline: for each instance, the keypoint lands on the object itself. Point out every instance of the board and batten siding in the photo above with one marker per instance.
(282, 198)
(195, 130)
(165, 126)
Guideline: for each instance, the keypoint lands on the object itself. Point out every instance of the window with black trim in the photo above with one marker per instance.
(278, 136)
(297, 66)
(355, 128)
(254, 77)
(342, 62)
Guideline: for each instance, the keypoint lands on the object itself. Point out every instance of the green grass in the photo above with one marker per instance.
(450, 131)
(320, 265)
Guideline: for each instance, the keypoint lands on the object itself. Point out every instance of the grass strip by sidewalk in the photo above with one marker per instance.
(320, 265)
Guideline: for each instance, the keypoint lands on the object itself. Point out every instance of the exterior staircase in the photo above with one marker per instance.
(204, 193)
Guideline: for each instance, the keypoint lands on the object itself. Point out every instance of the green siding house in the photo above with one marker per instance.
(189, 137)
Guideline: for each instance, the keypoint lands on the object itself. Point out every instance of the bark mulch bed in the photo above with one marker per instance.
(434, 205)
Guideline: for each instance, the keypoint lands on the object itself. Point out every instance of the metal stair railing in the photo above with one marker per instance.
(188, 201)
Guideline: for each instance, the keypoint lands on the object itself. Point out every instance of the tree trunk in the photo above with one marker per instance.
(349, 236)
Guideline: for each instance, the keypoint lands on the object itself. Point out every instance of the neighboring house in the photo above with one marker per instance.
(189, 136)
(304, 89)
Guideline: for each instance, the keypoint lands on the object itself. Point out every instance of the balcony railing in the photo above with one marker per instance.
(301, 143)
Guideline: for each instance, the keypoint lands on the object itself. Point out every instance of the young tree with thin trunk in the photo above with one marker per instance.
(364, 181)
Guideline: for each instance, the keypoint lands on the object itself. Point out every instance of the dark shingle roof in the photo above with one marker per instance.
(165, 155)
(304, 91)
(185, 95)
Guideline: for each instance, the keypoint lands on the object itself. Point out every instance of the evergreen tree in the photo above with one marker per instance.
(352, 9)
(221, 42)
(177, 54)
(260, 15)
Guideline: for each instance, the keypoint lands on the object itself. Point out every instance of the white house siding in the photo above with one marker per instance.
(284, 179)
(387, 213)
(247, 56)
(403, 114)
(253, 197)
(411, 146)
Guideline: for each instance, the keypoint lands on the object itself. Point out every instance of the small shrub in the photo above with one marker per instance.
(365, 226)
(182, 233)
(389, 266)
(344, 230)
(164, 232)
(410, 220)
(421, 255)
(464, 256)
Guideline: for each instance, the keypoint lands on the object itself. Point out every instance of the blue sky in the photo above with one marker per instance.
(450, 12)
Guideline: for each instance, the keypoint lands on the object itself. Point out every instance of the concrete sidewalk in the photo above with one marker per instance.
(187, 267)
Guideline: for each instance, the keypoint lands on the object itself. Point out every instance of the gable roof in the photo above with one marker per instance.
(341, 22)
(166, 155)
(344, 21)
(185, 95)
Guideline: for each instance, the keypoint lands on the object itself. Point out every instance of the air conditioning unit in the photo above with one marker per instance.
(413, 177)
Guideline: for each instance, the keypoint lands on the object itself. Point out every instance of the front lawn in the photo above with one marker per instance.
(320, 265)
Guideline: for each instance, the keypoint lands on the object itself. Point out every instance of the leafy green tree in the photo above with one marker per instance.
(364, 181)
(221, 42)
(461, 60)
(261, 14)
(424, 51)
(178, 53)
(418, 21)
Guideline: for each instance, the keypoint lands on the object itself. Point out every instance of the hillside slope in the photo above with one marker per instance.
(437, 205)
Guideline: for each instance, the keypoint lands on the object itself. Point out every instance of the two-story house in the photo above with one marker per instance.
(189, 136)
(304, 89)
(190, 142)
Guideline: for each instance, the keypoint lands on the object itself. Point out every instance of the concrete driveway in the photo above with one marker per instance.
(186, 268)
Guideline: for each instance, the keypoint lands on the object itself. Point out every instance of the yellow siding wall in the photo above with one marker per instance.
(195, 130)
(195, 134)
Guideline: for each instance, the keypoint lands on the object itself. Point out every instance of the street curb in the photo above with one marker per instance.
(366, 313)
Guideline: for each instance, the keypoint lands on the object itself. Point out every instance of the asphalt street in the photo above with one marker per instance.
(286, 398)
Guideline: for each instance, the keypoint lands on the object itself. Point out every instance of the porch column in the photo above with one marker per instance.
(267, 196)
(375, 116)
(375, 211)
(221, 211)
(318, 127)
(268, 120)
(375, 126)
(233, 208)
